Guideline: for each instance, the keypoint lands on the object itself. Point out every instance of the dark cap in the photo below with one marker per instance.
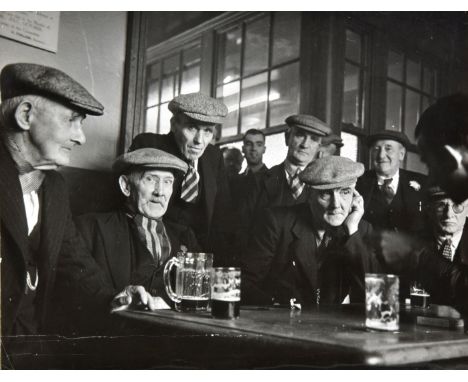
(332, 138)
(199, 107)
(309, 123)
(436, 193)
(390, 135)
(331, 172)
(32, 79)
(149, 158)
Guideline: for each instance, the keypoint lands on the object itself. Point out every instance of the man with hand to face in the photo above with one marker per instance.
(202, 199)
(394, 198)
(312, 252)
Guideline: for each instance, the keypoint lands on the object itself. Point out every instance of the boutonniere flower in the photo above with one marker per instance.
(415, 185)
(183, 248)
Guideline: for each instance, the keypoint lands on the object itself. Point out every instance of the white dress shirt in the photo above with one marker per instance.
(31, 204)
(394, 183)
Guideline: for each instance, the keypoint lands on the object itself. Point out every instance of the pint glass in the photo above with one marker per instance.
(382, 304)
(225, 292)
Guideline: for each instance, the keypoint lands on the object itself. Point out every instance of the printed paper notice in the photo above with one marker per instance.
(38, 29)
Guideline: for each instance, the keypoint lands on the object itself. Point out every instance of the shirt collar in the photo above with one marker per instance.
(456, 237)
(393, 184)
(291, 169)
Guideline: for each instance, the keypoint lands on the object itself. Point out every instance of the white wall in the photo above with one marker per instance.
(91, 49)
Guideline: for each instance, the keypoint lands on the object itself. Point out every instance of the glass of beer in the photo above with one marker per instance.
(192, 281)
(225, 292)
(382, 303)
(419, 296)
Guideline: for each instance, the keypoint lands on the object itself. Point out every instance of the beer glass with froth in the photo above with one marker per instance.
(225, 292)
(192, 280)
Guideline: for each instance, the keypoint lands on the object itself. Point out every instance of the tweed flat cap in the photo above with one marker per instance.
(390, 135)
(149, 158)
(23, 79)
(199, 107)
(331, 172)
(309, 123)
(332, 138)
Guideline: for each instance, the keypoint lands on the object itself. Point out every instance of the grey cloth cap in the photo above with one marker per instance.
(332, 138)
(331, 172)
(309, 123)
(389, 135)
(32, 79)
(199, 107)
(149, 158)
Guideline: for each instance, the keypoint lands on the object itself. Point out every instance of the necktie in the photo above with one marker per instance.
(447, 249)
(190, 184)
(147, 230)
(387, 190)
(296, 185)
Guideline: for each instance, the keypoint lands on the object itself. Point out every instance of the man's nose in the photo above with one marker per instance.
(198, 137)
(78, 136)
(380, 154)
(335, 199)
(305, 142)
(158, 188)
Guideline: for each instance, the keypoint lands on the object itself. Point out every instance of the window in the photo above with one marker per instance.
(411, 88)
(166, 78)
(257, 73)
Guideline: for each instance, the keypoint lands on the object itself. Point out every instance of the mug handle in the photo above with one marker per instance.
(167, 281)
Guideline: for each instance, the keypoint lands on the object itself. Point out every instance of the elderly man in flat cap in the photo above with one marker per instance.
(312, 252)
(202, 199)
(330, 145)
(281, 185)
(394, 198)
(41, 118)
(132, 245)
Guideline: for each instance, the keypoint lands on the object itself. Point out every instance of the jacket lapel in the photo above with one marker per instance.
(305, 247)
(274, 181)
(368, 186)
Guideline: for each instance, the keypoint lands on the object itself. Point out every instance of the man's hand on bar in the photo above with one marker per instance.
(137, 296)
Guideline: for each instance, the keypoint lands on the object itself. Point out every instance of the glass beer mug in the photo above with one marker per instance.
(192, 280)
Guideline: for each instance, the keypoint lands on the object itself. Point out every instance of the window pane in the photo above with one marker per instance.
(257, 37)
(413, 74)
(229, 56)
(393, 112)
(414, 163)
(171, 64)
(411, 113)
(350, 147)
(254, 102)
(286, 36)
(165, 119)
(284, 93)
(191, 56)
(395, 65)
(154, 71)
(276, 149)
(229, 94)
(151, 119)
(167, 91)
(351, 107)
(190, 80)
(428, 84)
(353, 46)
(153, 94)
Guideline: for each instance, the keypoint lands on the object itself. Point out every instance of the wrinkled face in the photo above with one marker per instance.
(448, 217)
(148, 192)
(54, 131)
(254, 148)
(445, 170)
(191, 136)
(331, 207)
(302, 146)
(386, 156)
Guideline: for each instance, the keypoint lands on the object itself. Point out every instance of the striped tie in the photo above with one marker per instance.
(296, 185)
(190, 184)
(447, 249)
(147, 230)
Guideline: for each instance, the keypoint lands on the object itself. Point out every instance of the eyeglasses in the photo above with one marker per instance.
(456, 208)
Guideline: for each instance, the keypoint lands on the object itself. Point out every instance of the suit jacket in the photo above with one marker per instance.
(405, 212)
(114, 244)
(283, 262)
(61, 251)
(215, 224)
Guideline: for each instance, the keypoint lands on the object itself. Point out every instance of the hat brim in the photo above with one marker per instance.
(328, 186)
(204, 118)
(312, 130)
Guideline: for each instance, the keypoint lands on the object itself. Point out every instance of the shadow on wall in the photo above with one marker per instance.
(91, 191)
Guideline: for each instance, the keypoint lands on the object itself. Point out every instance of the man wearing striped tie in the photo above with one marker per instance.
(202, 199)
(132, 245)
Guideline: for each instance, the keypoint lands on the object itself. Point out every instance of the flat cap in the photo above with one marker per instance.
(25, 79)
(331, 172)
(309, 123)
(436, 193)
(149, 158)
(390, 135)
(332, 138)
(199, 107)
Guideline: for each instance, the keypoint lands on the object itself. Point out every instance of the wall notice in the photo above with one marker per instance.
(38, 29)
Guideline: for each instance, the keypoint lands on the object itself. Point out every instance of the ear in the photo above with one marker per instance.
(402, 153)
(23, 115)
(124, 184)
(287, 133)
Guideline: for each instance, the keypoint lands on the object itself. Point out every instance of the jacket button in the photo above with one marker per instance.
(10, 299)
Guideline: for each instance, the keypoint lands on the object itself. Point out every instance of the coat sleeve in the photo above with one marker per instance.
(258, 258)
